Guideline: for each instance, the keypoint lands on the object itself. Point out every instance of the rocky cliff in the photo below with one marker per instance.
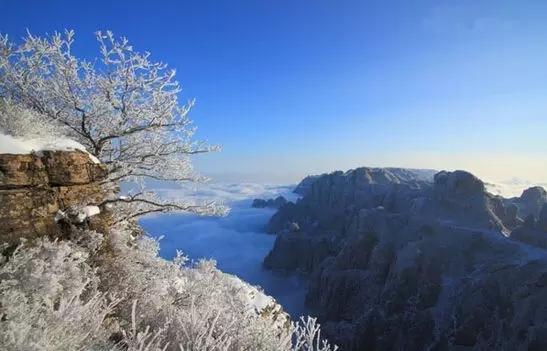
(35, 187)
(276, 203)
(531, 201)
(396, 263)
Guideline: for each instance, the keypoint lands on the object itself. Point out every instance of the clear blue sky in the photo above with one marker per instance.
(291, 87)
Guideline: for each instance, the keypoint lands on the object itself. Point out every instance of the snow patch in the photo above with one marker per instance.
(90, 211)
(11, 145)
(258, 301)
(77, 214)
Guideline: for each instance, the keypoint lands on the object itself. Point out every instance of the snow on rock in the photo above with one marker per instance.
(77, 214)
(90, 211)
(259, 302)
(11, 145)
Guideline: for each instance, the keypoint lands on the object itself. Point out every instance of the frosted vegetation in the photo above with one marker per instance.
(68, 295)
(123, 109)
(96, 292)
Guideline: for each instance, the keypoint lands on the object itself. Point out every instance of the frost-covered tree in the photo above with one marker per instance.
(123, 107)
(21, 122)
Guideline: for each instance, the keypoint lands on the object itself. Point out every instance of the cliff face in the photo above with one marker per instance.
(408, 264)
(33, 188)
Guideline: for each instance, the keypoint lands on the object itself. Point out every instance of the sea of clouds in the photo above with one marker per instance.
(237, 242)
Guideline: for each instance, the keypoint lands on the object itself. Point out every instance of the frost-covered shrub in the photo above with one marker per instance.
(49, 300)
(52, 298)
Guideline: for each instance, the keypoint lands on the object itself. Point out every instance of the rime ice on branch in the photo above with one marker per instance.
(123, 108)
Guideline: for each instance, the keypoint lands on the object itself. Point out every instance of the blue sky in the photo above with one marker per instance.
(296, 87)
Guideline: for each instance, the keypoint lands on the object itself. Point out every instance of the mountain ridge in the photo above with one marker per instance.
(377, 251)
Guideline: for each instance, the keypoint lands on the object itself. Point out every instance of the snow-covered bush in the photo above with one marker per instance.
(49, 299)
(123, 108)
(52, 298)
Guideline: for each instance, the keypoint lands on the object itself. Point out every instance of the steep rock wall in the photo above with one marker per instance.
(402, 264)
(34, 187)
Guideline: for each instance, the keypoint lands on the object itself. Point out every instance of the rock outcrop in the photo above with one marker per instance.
(531, 231)
(396, 263)
(270, 203)
(33, 188)
(403, 174)
(531, 201)
(303, 187)
(332, 197)
(299, 253)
